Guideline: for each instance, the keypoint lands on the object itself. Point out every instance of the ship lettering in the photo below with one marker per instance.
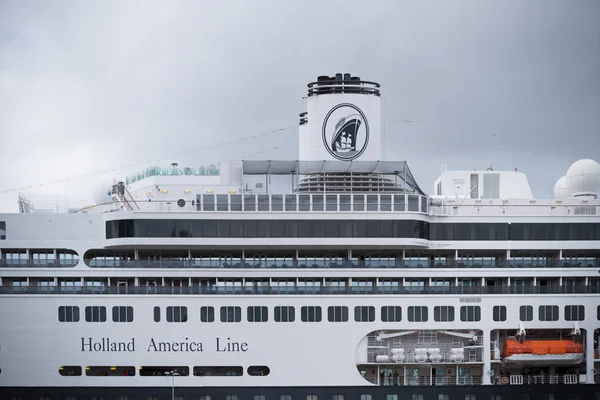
(105, 344)
(229, 346)
(185, 346)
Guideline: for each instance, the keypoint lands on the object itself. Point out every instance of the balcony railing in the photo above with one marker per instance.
(38, 263)
(566, 379)
(427, 381)
(238, 263)
(298, 290)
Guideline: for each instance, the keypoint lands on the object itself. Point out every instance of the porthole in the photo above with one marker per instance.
(181, 203)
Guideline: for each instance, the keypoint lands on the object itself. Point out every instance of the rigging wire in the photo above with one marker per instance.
(181, 154)
(489, 126)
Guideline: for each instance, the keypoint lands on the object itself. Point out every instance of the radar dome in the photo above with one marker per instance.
(101, 189)
(583, 178)
(561, 189)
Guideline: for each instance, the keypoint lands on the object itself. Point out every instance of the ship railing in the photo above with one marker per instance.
(277, 290)
(16, 263)
(538, 379)
(301, 264)
(426, 381)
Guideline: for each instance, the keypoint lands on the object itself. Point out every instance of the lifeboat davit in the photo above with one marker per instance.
(542, 351)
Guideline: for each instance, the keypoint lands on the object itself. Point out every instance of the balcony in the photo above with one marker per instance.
(308, 264)
(296, 290)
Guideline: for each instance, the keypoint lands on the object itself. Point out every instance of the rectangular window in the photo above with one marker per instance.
(337, 314)
(474, 186)
(391, 313)
(417, 313)
(499, 313)
(491, 186)
(68, 314)
(231, 314)
(122, 314)
(2, 230)
(310, 314)
(548, 313)
(95, 314)
(526, 313)
(156, 314)
(257, 314)
(285, 314)
(207, 314)
(177, 314)
(574, 313)
(443, 313)
(364, 313)
(470, 313)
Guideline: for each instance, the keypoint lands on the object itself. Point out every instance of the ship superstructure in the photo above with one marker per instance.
(330, 277)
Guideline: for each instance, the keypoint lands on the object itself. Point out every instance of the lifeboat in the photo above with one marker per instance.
(542, 351)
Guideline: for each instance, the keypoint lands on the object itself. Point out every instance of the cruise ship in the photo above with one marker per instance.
(330, 277)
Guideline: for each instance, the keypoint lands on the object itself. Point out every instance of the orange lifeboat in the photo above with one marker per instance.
(542, 351)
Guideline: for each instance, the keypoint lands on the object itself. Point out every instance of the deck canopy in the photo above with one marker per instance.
(398, 170)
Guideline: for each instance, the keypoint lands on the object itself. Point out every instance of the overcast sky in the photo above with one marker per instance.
(87, 86)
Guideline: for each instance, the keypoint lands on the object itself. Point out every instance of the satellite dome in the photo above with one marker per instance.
(561, 188)
(583, 178)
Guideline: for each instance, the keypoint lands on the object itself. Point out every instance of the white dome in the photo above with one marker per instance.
(101, 189)
(561, 189)
(583, 177)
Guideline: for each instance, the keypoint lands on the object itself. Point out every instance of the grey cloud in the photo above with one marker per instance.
(86, 86)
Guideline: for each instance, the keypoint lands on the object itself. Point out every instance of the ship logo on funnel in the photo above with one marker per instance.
(345, 132)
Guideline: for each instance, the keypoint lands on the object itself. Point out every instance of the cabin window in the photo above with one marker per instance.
(337, 314)
(364, 313)
(257, 314)
(548, 313)
(526, 313)
(443, 397)
(203, 398)
(177, 314)
(68, 314)
(417, 313)
(258, 370)
(125, 398)
(70, 371)
(2, 230)
(310, 314)
(391, 397)
(443, 313)
(366, 397)
(231, 314)
(285, 397)
(156, 398)
(338, 397)
(179, 397)
(122, 314)
(259, 397)
(391, 314)
(207, 314)
(218, 371)
(95, 314)
(285, 314)
(231, 397)
(470, 313)
(109, 370)
(499, 313)
(312, 397)
(157, 314)
(574, 313)
(417, 397)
